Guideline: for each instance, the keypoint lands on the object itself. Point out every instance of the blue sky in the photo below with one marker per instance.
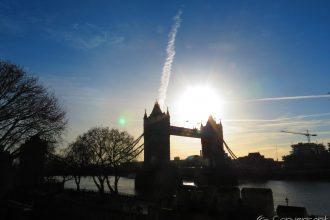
(104, 61)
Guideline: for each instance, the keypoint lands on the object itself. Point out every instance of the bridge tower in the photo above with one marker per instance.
(212, 143)
(156, 138)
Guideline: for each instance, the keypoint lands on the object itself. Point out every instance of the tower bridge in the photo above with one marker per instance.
(159, 175)
(157, 131)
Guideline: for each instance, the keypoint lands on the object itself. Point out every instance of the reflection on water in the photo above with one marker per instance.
(125, 185)
(188, 183)
(315, 196)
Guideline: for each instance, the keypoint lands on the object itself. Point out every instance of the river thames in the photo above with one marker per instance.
(314, 195)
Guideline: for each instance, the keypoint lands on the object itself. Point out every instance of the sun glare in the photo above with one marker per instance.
(197, 103)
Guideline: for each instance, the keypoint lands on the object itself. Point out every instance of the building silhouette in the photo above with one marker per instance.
(307, 156)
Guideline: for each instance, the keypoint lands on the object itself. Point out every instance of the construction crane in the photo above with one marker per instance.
(307, 134)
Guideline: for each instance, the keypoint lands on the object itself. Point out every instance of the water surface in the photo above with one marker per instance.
(315, 196)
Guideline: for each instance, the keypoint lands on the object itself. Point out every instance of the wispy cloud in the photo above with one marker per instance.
(277, 119)
(75, 90)
(300, 123)
(116, 40)
(263, 134)
(288, 98)
(82, 36)
(87, 36)
(225, 47)
(7, 24)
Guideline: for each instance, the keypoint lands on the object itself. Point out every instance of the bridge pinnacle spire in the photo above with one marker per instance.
(156, 110)
(145, 113)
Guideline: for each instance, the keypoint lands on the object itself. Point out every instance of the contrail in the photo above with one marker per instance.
(288, 98)
(170, 50)
(280, 119)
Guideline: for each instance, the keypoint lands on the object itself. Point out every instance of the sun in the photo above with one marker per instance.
(197, 103)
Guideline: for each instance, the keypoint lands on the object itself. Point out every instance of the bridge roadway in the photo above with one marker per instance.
(185, 132)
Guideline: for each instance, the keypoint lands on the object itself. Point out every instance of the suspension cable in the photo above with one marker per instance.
(230, 151)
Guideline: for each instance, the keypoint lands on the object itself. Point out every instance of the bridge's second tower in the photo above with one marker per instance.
(212, 143)
(156, 138)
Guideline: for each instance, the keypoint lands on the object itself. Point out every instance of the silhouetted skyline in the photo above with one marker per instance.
(105, 60)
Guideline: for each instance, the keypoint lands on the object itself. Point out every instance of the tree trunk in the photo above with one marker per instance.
(99, 184)
(116, 183)
(63, 180)
(77, 181)
(109, 185)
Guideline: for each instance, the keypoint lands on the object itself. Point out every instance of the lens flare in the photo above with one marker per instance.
(122, 121)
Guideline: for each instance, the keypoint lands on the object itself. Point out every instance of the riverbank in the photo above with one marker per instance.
(311, 194)
(70, 204)
(189, 202)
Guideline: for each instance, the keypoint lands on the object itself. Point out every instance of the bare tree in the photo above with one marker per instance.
(120, 149)
(26, 109)
(96, 140)
(77, 157)
(108, 150)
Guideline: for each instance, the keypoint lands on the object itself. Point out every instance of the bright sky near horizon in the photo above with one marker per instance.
(266, 62)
